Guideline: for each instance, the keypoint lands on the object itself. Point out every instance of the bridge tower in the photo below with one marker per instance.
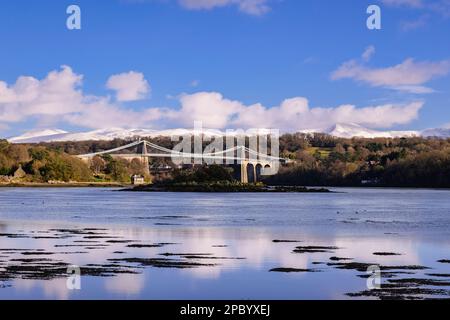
(142, 150)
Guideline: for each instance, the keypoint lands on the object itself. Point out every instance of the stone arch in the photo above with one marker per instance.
(251, 173)
(258, 172)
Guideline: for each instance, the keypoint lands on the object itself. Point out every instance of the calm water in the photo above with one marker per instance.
(220, 246)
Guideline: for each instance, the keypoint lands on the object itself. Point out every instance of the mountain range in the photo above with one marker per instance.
(342, 130)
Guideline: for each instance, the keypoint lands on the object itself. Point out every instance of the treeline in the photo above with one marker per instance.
(44, 164)
(318, 160)
(328, 161)
(41, 164)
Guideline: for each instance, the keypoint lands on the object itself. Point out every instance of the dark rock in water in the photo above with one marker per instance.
(385, 274)
(386, 254)
(163, 263)
(289, 270)
(31, 260)
(199, 256)
(106, 270)
(77, 231)
(401, 293)
(285, 241)
(35, 271)
(47, 237)
(212, 257)
(315, 249)
(441, 275)
(363, 267)
(138, 245)
(100, 237)
(14, 235)
(419, 282)
(86, 241)
(35, 253)
(168, 254)
(340, 259)
(444, 261)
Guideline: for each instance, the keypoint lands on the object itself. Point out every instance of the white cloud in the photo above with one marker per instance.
(292, 114)
(59, 98)
(410, 75)
(295, 114)
(129, 86)
(253, 7)
(209, 107)
(57, 94)
(440, 7)
(408, 3)
(368, 53)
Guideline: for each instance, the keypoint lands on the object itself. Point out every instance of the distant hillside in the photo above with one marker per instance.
(340, 130)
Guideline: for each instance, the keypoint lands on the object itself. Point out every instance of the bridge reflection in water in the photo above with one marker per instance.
(251, 164)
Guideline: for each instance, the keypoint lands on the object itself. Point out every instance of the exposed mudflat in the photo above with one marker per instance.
(225, 246)
(397, 282)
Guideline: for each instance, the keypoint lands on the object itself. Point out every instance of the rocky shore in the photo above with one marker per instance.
(226, 187)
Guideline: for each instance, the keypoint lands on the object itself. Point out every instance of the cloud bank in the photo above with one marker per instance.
(410, 75)
(59, 99)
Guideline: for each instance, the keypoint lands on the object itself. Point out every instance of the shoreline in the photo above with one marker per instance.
(64, 185)
(130, 187)
(224, 188)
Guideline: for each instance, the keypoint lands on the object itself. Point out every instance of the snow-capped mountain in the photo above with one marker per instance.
(437, 132)
(104, 134)
(341, 130)
(350, 130)
(38, 134)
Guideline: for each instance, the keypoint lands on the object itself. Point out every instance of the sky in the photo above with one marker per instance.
(281, 64)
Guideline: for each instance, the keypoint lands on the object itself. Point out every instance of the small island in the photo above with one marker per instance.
(220, 186)
(213, 179)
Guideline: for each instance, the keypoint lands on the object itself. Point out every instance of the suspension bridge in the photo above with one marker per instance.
(252, 164)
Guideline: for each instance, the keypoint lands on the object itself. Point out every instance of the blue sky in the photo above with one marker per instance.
(287, 64)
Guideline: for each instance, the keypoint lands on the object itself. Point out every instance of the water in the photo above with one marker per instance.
(220, 246)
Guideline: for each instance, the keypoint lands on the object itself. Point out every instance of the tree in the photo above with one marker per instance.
(117, 169)
(98, 165)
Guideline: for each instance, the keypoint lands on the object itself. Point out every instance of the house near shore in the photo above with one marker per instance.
(137, 179)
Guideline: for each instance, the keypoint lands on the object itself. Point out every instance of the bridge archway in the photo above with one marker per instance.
(258, 172)
(251, 173)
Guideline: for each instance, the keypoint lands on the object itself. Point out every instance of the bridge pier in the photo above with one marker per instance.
(251, 171)
(244, 172)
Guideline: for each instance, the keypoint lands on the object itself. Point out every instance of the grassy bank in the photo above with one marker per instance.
(62, 185)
